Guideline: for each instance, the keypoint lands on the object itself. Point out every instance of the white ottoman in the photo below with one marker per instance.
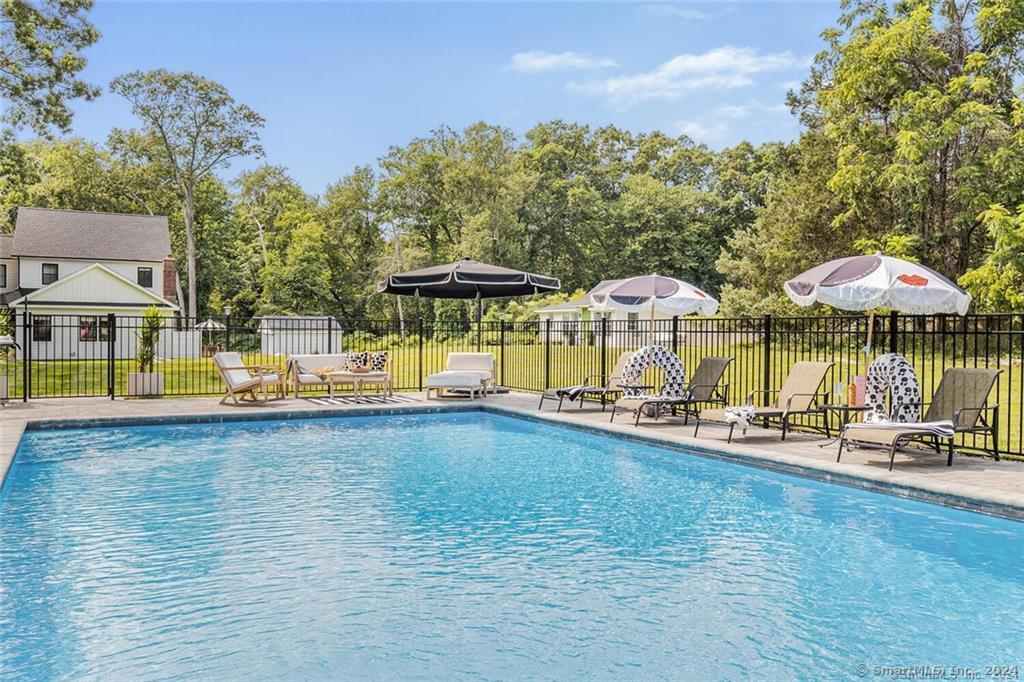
(468, 381)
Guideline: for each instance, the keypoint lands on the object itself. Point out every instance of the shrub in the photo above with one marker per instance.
(149, 334)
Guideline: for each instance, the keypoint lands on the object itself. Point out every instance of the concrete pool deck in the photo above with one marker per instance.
(974, 483)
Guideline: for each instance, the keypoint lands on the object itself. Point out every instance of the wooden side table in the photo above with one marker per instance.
(382, 379)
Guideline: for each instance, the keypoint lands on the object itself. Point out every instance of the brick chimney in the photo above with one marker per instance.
(171, 280)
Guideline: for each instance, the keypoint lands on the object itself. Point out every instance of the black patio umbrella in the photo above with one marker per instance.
(468, 279)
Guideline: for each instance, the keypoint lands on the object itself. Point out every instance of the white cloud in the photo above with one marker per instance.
(733, 111)
(721, 68)
(700, 131)
(538, 60)
(681, 11)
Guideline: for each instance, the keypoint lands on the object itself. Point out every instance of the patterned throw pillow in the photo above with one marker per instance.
(356, 360)
(378, 361)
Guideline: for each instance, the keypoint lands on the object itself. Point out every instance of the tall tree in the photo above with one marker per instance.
(191, 126)
(916, 97)
(40, 59)
(353, 244)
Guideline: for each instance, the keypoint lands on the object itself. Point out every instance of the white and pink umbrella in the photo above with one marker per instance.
(655, 296)
(872, 282)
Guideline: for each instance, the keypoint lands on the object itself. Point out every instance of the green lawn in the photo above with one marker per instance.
(523, 366)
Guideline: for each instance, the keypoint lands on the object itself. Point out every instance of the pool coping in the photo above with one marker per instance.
(777, 462)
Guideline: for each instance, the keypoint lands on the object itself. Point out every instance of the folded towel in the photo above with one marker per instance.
(574, 392)
(742, 416)
(943, 428)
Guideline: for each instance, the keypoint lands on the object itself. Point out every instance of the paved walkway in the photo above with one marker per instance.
(972, 482)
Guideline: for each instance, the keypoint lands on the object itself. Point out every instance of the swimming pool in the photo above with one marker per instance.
(474, 545)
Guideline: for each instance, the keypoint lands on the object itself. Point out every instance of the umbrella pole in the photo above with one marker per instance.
(867, 348)
(479, 321)
(650, 328)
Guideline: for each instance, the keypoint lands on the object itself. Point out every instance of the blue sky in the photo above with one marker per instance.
(339, 83)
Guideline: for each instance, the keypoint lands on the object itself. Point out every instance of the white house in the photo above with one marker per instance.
(575, 322)
(71, 269)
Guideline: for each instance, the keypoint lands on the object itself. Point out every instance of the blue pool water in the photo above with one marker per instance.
(476, 546)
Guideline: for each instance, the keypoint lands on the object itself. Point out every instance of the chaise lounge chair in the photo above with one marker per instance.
(459, 366)
(481, 364)
(612, 385)
(245, 380)
(960, 405)
(704, 388)
(799, 395)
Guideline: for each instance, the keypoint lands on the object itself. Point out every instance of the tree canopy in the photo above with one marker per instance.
(40, 59)
(912, 143)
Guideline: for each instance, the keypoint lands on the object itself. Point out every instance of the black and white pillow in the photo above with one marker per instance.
(356, 359)
(378, 361)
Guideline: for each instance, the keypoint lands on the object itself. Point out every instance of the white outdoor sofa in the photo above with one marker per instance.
(300, 369)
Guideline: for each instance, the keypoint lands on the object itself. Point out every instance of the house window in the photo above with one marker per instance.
(632, 321)
(3, 276)
(87, 329)
(145, 277)
(106, 331)
(93, 328)
(50, 273)
(41, 330)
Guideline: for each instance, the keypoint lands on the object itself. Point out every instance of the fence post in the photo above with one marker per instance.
(227, 332)
(767, 352)
(419, 335)
(26, 363)
(330, 334)
(894, 321)
(675, 334)
(547, 353)
(604, 346)
(501, 343)
(604, 356)
(111, 322)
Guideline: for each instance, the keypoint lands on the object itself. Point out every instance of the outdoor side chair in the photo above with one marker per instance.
(800, 395)
(705, 387)
(246, 380)
(959, 406)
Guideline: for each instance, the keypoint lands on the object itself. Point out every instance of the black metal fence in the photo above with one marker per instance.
(96, 355)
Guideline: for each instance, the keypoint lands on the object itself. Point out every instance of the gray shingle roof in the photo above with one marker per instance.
(45, 232)
(6, 244)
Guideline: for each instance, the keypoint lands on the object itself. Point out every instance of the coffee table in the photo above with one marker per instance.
(358, 380)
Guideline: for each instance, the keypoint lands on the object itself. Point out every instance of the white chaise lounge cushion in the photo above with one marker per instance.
(479, 363)
(450, 379)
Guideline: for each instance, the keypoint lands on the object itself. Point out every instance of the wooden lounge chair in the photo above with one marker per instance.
(704, 388)
(612, 385)
(800, 395)
(960, 405)
(246, 380)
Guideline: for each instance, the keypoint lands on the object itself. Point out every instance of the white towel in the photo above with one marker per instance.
(943, 428)
(741, 416)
